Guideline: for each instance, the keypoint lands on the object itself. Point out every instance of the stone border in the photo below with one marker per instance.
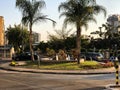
(112, 87)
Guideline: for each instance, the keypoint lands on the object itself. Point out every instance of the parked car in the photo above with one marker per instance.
(112, 58)
(93, 56)
(24, 56)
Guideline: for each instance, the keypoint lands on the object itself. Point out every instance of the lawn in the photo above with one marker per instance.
(67, 66)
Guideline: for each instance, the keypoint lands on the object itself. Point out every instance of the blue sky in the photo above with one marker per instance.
(13, 16)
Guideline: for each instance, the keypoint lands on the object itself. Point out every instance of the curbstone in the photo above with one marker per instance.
(6, 66)
(112, 87)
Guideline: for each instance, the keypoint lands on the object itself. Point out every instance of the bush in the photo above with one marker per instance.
(61, 55)
(108, 64)
(50, 52)
(13, 63)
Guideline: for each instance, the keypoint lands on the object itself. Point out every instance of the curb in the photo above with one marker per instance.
(112, 87)
(54, 72)
(69, 72)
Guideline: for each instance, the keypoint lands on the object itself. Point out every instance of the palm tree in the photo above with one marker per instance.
(31, 15)
(79, 13)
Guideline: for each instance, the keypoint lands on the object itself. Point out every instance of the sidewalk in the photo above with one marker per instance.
(6, 66)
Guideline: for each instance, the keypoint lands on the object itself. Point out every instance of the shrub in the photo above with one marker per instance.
(61, 55)
(108, 64)
(13, 63)
(50, 52)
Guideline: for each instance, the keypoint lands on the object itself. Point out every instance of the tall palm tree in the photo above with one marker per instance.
(79, 13)
(31, 14)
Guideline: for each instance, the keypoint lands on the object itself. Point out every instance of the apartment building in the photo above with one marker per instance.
(6, 51)
(36, 37)
(1, 31)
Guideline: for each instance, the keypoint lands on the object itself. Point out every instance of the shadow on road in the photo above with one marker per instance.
(4, 61)
(94, 88)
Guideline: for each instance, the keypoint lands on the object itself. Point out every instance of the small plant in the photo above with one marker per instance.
(13, 63)
(108, 64)
(50, 52)
(62, 55)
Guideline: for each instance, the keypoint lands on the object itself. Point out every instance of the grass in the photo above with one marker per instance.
(65, 66)
(90, 65)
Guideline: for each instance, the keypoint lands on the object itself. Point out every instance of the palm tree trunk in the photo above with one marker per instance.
(30, 41)
(78, 43)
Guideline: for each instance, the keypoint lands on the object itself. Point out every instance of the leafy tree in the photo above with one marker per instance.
(79, 13)
(70, 42)
(60, 40)
(17, 36)
(31, 14)
(56, 44)
(67, 44)
(43, 46)
(98, 32)
(109, 30)
(59, 34)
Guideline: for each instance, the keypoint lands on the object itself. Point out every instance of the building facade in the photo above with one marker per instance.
(1, 31)
(6, 51)
(36, 37)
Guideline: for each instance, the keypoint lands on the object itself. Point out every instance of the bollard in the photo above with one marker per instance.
(117, 71)
(38, 61)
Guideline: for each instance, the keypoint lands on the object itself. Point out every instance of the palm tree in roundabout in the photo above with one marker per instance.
(79, 13)
(31, 14)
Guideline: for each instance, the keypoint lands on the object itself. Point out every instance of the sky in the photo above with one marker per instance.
(12, 15)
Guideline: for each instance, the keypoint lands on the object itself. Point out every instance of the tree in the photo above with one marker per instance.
(58, 40)
(17, 36)
(42, 46)
(100, 33)
(60, 34)
(79, 13)
(30, 15)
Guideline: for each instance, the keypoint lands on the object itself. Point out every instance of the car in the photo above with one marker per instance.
(24, 56)
(118, 57)
(112, 58)
(93, 56)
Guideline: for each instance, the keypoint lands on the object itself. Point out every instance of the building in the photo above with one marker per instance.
(1, 31)
(6, 51)
(114, 21)
(36, 37)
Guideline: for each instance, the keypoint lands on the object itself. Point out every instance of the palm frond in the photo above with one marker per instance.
(80, 11)
(98, 9)
(43, 18)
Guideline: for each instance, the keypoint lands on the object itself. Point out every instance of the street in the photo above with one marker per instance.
(10, 80)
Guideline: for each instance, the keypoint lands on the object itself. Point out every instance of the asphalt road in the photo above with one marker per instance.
(10, 80)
